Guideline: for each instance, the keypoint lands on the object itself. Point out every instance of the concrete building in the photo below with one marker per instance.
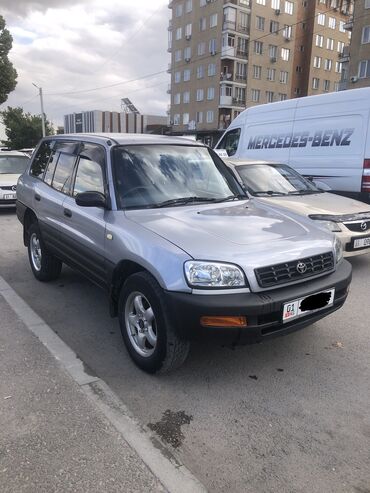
(227, 55)
(356, 58)
(112, 121)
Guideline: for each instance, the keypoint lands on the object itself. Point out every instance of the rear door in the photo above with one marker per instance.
(83, 228)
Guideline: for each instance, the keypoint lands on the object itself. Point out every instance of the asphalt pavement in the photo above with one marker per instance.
(288, 415)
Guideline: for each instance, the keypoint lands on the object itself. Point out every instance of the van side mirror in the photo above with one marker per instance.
(91, 199)
(321, 185)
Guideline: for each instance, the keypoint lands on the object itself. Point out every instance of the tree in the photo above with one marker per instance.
(8, 74)
(22, 129)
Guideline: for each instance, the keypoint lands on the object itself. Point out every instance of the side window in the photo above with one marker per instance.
(230, 141)
(48, 178)
(90, 170)
(63, 172)
(41, 159)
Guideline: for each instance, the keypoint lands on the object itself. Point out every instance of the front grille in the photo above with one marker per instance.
(360, 227)
(10, 187)
(274, 275)
(7, 201)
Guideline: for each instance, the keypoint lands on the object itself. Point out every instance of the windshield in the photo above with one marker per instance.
(274, 179)
(13, 164)
(168, 175)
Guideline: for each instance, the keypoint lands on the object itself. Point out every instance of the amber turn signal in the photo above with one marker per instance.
(223, 321)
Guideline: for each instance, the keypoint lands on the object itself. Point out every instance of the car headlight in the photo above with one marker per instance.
(213, 275)
(338, 249)
(330, 225)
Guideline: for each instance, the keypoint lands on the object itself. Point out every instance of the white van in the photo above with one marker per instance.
(326, 137)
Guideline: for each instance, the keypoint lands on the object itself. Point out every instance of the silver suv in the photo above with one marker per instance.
(162, 225)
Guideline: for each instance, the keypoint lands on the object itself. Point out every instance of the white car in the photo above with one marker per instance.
(281, 186)
(12, 165)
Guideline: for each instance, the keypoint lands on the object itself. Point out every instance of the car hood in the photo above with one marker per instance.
(321, 204)
(8, 179)
(248, 233)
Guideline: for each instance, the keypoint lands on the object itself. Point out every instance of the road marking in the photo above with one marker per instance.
(173, 475)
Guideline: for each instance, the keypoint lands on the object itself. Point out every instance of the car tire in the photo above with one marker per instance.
(45, 266)
(147, 331)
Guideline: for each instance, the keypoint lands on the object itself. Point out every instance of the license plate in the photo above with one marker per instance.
(308, 304)
(362, 242)
(9, 196)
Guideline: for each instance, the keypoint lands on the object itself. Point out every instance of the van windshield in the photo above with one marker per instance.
(230, 141)
(13, 165)
(148, 176)
(274, 179)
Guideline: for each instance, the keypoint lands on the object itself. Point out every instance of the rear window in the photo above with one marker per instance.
(230, 141)
(41, 159)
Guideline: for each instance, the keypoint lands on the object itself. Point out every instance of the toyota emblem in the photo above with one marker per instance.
(14, 188)
(363, 226)
(301, 267)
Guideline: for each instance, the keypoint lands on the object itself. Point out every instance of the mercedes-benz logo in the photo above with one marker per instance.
(301, 267)
(14, 188)
(363, 226)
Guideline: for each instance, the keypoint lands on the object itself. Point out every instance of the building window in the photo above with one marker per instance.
(210, 116)
(341, 27)
(261, 2)
(365, 35)
(210, 93)
(186, 75)
(269, 96)
(330, 44)
(340, 47)
(176, 119)
(282, 97)
(211, 69)
(178, 33)
(243, 21)
(283, 77)
(177, 98)
(257, 69)
(287, 31)
(274, 27)
(367, 4)
(328, 64)
(241, 71)
(285, 54)
(315, 83)
(317, 61)
(326, 85)
(256, 95)
(213, 20)
(240, 94)
(331, 23)
(319, 40)
(212, 46)
(298, 69)
(187, 53)
(297, 91)
(260, 23)
(188, 30)
(177, 77)
(202, 24)
(201, 48)
(289, 8)
(200, 72)
(199, 117)
(338, 67)
(188, 6)
(186, 97)
(258, 47)
(200, 94)
(364, 69)
(185, 118)
(336, 86)
(271, 73)
(273, 51)
(178, 10)
(321, 19)
(178, 55)
(275, 4)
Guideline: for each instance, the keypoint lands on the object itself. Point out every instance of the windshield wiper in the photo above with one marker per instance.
(231, 197)
(304, 192)
(268, 192)
(184, 201)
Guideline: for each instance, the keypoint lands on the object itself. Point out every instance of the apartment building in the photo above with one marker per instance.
(356, 66)
(227, 55)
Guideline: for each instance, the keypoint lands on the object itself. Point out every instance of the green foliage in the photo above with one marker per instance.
(22, 129)
(8, 74)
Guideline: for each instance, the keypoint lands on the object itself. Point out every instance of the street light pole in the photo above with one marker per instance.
(42, 109)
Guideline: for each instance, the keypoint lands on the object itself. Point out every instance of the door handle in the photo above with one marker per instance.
(67, 213)
(37, 197)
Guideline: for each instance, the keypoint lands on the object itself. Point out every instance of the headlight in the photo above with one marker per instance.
(338, 249)
(213, 275)
(330, 225)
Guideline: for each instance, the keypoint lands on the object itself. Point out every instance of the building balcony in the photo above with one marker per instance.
(232, 52)
(226, 77)
(169, 49)
(240, 3)
(349, 25)
(239, 102)
(343, 84)
(344, 55)
(169, 89)
(232, 26)
(229, 101)
(170, 25)
(226, 100)
(169, 69)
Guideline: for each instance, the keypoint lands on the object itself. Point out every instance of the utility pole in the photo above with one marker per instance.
(42, 109)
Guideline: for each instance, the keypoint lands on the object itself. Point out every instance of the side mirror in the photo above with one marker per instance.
(321, 185)
(91, 199)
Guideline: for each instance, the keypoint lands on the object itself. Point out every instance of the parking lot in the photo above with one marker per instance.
(288, 415)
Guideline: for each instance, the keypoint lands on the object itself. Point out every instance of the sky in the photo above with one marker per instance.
(71, 47)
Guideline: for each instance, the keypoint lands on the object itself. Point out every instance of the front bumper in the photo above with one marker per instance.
(263, 310)
(347, 238)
